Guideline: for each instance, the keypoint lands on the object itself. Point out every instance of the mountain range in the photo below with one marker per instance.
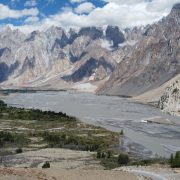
(139, 62)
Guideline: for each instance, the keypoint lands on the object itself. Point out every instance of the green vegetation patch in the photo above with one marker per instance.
(32, 128)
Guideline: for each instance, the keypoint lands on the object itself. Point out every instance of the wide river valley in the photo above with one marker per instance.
(114, 113)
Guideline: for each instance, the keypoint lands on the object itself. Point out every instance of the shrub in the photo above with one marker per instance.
(109, 154)
(46, 165)
(103, 155)
(19, 150)
(98, 155)
(123, 159)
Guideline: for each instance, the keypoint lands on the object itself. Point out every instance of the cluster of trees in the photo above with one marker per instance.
(123, 159)
(8, 138)
(31, 114)
(175, 160)
(68, 140)
(35, 114)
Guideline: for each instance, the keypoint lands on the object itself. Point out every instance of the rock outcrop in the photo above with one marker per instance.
(170, 101)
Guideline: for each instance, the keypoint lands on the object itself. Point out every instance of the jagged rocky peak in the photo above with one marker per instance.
(57, 37)
(55, 31)
(114, 34)
(33, 35)
(7, 32)
(134, 34)
(92, 32)
(176, 7)
(72, 35)
(6, 29)
(175, 12)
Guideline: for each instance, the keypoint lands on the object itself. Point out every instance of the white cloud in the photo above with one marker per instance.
(13, 1)
(122, 13)
(50, 1)
(124, 1)
(6, 12)
(86, 7)
(30, 3)
(31, 19)
(77, 1)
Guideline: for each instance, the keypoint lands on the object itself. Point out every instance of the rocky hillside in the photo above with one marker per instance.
(153, 60)
(170, 101)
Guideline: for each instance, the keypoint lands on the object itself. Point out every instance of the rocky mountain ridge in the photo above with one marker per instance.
(152, 61)
(30, 60)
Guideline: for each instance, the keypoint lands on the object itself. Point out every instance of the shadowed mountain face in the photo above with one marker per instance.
(154, 60)
(7, 70)
(115, 35)
(91, 68)
(4, 70)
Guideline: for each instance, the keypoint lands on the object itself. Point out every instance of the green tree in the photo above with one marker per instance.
(109, 154)
(175, 162)
(122, 132)
(171, 158)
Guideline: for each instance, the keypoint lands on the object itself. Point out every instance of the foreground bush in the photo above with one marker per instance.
(46, 165)
(123, 159)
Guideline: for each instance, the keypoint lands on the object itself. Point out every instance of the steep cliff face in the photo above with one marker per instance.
(170, 100)
(152, 61)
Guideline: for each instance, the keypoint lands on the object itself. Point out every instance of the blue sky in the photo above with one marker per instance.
(29, 15)
(45, 7)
